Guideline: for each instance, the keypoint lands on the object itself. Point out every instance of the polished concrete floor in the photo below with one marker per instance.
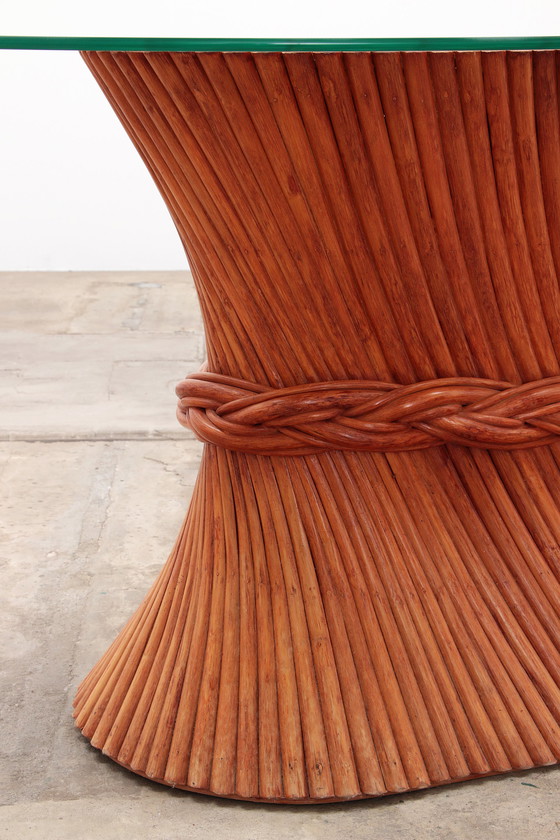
(95, 477)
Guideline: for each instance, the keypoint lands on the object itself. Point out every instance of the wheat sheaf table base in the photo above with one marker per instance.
(365, 595)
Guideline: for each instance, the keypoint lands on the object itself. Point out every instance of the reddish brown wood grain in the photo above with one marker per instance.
(375, 243)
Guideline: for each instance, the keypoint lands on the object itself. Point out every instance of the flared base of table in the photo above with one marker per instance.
(343, 626)
(327, 801)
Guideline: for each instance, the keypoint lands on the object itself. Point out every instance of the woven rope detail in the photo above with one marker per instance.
(368, 416)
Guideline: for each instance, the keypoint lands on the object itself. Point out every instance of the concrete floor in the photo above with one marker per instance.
(96, 475)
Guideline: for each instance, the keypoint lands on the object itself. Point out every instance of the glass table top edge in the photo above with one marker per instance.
(115, 44)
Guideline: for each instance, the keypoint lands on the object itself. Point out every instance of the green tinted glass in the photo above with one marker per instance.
(276, 45)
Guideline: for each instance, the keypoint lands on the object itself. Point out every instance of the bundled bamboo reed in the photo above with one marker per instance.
(375, 242)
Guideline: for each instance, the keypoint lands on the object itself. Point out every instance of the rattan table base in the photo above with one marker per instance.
(351, 623)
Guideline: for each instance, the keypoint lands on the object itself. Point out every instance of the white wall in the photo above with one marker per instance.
(74, 195)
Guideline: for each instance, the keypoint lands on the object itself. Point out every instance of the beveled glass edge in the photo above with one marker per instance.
(21, 42)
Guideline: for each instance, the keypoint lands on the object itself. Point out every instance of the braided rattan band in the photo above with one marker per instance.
(361, 415)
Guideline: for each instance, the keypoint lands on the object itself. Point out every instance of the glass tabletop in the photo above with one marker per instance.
(17, 42)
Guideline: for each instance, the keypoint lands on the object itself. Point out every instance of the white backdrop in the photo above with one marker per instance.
(74, 195)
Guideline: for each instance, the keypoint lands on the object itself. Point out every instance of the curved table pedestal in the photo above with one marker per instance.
(345, 624)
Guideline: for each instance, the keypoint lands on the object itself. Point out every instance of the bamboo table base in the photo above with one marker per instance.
(365, 595)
